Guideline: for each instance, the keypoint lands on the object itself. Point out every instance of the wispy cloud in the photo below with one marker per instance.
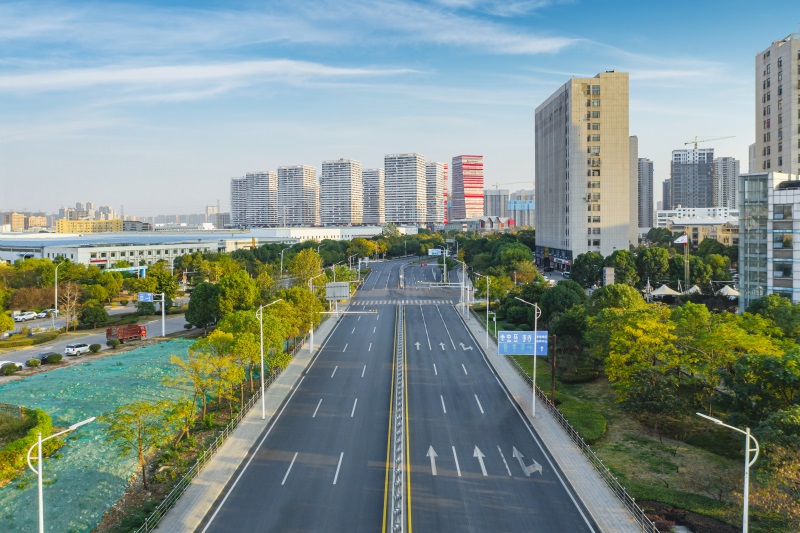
(500, 8)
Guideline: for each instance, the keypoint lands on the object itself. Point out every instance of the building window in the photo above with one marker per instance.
(780, 160)
(596, 137)
(596, 220)
(93, 255)
(782, 212)
(782, 269)
(596, 242)
(596, 173)
(596, 231)
(595, 89)
(595, 114)
(781, 240)
(595, 126)
(589, 242)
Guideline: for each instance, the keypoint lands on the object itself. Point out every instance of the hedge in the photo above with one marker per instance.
(18, 340)
(14, 456)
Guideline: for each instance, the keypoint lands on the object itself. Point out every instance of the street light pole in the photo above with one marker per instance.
(281, 273)
(55, 285)
(260, 315)
(38, 470)
(463, 287)
(536, 314)
(747, 464)
(488, 282)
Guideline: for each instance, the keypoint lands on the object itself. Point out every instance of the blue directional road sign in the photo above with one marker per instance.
(521, 343)
(145, 296)
(434, 251)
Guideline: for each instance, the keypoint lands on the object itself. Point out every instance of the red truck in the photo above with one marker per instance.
(126, 332)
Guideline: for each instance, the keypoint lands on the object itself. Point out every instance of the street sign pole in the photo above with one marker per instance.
(536, 313)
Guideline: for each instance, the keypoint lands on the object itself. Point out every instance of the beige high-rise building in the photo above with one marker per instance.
(374, 196)
(406, 189)
(583, 174)
(298, 196)
(778, 107)
(341, 195)
(436, 178)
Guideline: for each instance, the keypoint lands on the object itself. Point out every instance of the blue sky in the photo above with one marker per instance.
(155, 105)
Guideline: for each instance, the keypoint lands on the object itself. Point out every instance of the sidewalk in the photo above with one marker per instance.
(200, 495)
(607, 510)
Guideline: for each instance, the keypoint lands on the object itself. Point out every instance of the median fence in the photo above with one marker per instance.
(612, 482)
(168, 502)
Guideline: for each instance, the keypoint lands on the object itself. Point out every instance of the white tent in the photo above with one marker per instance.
(694, 289)
(664, 291)
(728, 291)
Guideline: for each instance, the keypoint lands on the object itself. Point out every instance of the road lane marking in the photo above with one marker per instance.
(290, 468)
(478, 454)
(345, 348)
(503, 457)
(443, 407)
(317, 409)
(354, 330)
(354, 408)
(370, 347)
(446, 328)
(363, 370)
(479, 403)
(465, 369)
(426, 327)
(334, 370)
(434, 369)
(433, 455)
(338, 467)
(455, 456)
(359, 318)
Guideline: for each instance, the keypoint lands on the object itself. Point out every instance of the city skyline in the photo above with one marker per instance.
(156, 105)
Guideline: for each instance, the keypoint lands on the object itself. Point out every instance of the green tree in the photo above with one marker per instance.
(145, 308)
(93, 315)
(660, 237)
(561, 297)
(6, 322)
(653, 264)
(237, 292)
(181, 416)
(781, 311)
(194, 373)
(305, 265)
(509, 254)
(163, 281)
(587, 269)
(720, 266)
(616, 295)
(138, 427)
(624, 267)
(710, 246)
(203, 306)
(764, 384)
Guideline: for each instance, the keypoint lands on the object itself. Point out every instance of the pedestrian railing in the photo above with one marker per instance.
(613, 483)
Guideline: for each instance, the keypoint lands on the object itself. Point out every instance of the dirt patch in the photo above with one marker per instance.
(666, 516)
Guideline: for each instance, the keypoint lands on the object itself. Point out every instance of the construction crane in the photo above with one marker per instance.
(496, 185)
(696, 140)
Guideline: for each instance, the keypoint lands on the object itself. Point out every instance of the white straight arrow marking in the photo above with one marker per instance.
(479, 403)
(465, 369)
(334, 370)
(290, 468)
(479, 454)
(443, 407)
(341, 456)
(433, 455)
(503, 457)
(317, 409)
(417, 345)
(442, 345)
(455, 456)
(354, 408)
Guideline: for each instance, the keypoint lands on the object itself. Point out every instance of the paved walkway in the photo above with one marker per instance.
(204, 490)
(606, 509)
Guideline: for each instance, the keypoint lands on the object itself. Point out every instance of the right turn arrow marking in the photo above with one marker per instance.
(527, 470)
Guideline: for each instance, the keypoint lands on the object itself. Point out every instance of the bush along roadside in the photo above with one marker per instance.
(13, 457)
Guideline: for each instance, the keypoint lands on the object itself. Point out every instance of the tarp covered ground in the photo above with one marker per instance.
(87, 475)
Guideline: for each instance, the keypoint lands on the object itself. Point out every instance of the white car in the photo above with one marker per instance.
(22, 317)
(76, 349)
(19, 366)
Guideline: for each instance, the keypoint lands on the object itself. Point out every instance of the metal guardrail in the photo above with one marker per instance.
(398, 518)
(168, 502)
(616, 487)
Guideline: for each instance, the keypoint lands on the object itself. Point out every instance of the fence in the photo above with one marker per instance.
(12, 410)
(612, 482)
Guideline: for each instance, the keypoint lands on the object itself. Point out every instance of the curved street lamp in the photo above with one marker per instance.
(260, 315)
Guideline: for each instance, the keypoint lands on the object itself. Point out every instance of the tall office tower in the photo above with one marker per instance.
(495, 202)
(436, 179)
(633, 168)
(583, 176)
(692, 177)
(645, 205)
(298, 196)
(467, 187)
(726, 176)
(666, 194)
(341, 193)
(751, 158)
(778, 107)
(406, 189)
(374, 196)
(254, 200)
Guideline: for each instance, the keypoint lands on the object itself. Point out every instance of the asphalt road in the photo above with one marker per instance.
(475, 463)
(321, 465)
(171, 325)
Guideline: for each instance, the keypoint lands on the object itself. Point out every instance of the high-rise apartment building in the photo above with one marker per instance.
(254, 200)
(298, 196)
(726, 176)
(752, 159)
(645, 203)
(436, 179)
(522, 208)
(583, 175)
(374, 211)
(666, 194)
(495, 202)
(406, 189)
(467, 187)
(341, 193)
(692, 177)
(778, 107)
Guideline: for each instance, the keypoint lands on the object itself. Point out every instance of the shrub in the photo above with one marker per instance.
(208, 421)
(579, 376)
(18, 341)
(123, 302)
(524, 327)
(55, 358)
(588, 422)
(7, 370)
(14, 455)
(187, 327)
(113, 344)
(94, 348)
(33, 362)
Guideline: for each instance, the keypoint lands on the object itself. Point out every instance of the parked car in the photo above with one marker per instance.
(27, 315)
(43, 357)
(76, 349)
(19, 366)
(565, 275)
